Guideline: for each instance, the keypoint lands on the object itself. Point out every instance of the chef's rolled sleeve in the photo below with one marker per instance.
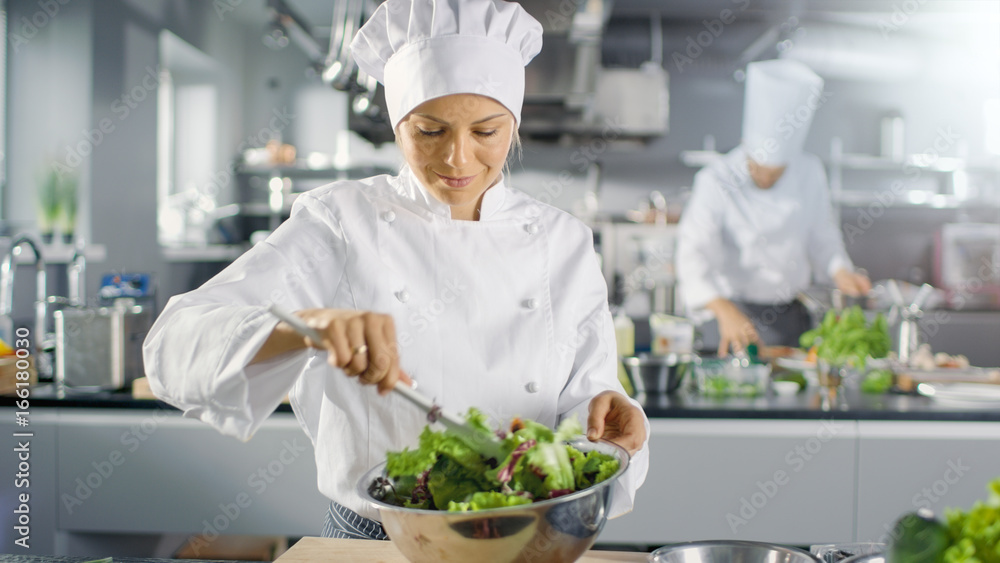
(207, 378)
(826, 243)
(199, 351)
(699, 244)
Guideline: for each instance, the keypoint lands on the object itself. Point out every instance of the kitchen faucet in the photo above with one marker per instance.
(77, 273)
(7, 269)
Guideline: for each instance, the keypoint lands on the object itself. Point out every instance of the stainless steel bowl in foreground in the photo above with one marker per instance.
(653, 374)
(555, 530)
(730, 552)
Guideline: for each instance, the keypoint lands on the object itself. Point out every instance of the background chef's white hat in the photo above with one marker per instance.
(781, 97)
(425, 49)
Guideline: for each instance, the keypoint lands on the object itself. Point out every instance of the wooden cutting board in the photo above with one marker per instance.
(311, 550)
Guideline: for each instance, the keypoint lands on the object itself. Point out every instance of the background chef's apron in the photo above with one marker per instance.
(777, 325)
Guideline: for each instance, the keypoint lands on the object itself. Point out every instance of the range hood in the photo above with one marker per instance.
(568, 94)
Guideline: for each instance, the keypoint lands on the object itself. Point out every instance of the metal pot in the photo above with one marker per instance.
(100, 348)
(724, 551)
(653, 374)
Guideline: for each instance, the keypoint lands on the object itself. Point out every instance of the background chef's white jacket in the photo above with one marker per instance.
(743, 243)
(508, 314)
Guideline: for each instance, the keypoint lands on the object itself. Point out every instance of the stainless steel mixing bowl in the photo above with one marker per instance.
(555, 530)
(652, 374)
(725, 551)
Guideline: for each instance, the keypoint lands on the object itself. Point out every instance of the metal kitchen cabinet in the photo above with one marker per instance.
(786, 481)
(154, 471)
(907, 465)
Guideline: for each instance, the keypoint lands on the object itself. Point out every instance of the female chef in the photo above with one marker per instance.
(759, 224)
(442, 274)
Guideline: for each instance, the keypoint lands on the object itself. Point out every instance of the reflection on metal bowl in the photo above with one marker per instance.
(557, 530)
(728, 551)
(657, 374)
(866, 558)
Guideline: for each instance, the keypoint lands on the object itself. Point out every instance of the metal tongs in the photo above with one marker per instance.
(485, 443)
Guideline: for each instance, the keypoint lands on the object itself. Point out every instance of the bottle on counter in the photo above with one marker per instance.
(625, 341)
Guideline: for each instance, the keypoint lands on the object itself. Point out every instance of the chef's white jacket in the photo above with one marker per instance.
(744, 243)
(508, 314)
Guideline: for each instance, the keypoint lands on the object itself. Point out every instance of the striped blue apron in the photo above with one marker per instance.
(342, 522)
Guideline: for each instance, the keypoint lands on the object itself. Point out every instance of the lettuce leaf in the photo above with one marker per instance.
(443, 472)
(568, 429)
(433, 445)
(489, 499)
(551, 461)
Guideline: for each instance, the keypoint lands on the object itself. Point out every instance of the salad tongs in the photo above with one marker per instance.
(485, 443)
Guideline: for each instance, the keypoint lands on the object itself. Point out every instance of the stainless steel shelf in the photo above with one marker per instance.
(942, 164)
(301, 172)
(916, 199)
(209, 253)
(58, 253)
(264, 210)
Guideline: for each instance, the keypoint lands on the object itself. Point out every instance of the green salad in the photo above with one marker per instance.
(445, 472)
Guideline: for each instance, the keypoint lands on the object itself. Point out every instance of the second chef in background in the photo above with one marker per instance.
(759, 225)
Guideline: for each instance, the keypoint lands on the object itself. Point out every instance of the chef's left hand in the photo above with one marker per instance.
(617, 420)
(852, 284)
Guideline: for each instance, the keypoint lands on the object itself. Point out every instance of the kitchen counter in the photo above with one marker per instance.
(865, 464)
(852, 405)
(684, 404)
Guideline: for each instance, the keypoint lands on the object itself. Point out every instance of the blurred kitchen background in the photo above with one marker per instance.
(156, 140)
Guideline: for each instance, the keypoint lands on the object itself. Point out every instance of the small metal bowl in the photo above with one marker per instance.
(724, 551)
(555, 530)
(653, 374)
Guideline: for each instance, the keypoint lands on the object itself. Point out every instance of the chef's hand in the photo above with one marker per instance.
(735, 329)
(361, 343)
(852, 284)
(614, 418)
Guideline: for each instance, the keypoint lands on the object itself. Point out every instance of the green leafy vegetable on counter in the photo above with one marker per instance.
(918, 538)
(877, 381)
(444, 473)
(966, 536)
(847, 338)
(722, 386)
(975, 533)
(795, 376)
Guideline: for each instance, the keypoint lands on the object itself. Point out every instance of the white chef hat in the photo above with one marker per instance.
(781, 97)
(424, 49)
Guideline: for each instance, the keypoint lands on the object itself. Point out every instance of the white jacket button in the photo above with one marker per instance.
(532, 387)
(403, 295)
(389, 216)
(531, 303)
(532, 228)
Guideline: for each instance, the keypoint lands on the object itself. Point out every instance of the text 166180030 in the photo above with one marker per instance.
(22, 439)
